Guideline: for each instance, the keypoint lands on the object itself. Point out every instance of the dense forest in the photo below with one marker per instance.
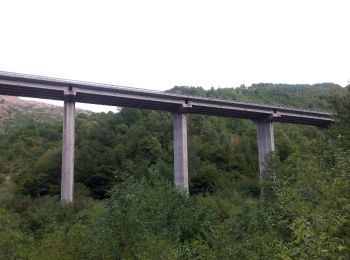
(126, 206)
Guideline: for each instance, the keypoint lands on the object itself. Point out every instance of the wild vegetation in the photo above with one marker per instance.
(127, 207)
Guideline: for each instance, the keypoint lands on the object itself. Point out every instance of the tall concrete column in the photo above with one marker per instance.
(180, 151)
(67, 178)
(266, 144)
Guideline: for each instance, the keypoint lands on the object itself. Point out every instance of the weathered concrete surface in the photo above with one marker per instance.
(67, 178)
(180, 151)
(266, 144)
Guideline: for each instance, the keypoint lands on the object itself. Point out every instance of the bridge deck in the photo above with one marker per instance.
(23, 85)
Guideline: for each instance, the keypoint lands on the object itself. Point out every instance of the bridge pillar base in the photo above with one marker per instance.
(266, 144)
(67, 177)
(180, 151)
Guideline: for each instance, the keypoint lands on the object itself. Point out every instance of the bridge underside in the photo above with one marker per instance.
(13, 84)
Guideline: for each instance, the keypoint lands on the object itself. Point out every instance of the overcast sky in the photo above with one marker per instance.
(159, 44)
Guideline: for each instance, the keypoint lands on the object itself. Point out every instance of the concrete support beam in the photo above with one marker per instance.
(266, 144)
(67, 178)
(180, 151)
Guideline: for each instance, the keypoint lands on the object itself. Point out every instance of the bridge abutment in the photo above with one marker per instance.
(67, 178)
(266, 144)
(180, 151)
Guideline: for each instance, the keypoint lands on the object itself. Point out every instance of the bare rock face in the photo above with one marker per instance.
(10, 107)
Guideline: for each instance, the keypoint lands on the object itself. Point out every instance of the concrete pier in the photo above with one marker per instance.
(266, 144)
(180, 151)
(67, 178)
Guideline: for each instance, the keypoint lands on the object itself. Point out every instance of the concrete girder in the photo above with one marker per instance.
(14, 84)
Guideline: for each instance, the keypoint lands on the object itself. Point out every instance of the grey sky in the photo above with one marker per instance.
(159, 44)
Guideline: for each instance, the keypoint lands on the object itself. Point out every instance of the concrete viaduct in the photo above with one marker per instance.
(179, 106)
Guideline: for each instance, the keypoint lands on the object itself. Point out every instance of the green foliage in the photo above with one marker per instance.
(154, 210)
(124, 162)
(341, 130)
(304, 215)
(301, 95)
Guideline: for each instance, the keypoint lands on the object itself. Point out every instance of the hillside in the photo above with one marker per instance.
(10, 107)
(126, 206)
(299, 96)
(15, 107)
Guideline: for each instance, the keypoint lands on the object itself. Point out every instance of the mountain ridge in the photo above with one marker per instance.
(11, 107)
(291, 95)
